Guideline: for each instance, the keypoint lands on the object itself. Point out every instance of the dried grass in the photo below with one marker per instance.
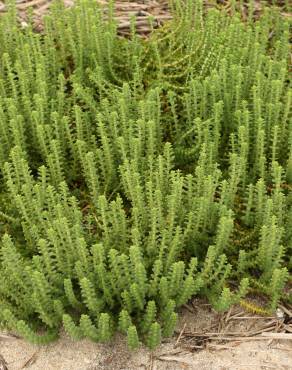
(124, 10)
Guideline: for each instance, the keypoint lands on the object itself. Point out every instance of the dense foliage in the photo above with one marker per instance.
(137, 173)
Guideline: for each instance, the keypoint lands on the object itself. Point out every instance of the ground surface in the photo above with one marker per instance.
(125, 9)
(193, 347)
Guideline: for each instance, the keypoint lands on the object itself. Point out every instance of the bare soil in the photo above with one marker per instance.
(204, 340)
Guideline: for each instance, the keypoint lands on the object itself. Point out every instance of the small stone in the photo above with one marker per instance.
(279, 313)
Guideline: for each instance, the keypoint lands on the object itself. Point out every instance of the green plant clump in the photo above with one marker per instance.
(138, 173)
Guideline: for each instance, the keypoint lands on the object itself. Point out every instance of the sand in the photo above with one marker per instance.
(85, 355)
(255, 353)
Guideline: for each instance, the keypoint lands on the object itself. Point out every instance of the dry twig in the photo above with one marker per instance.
(4, 336)
(285, 309)
(31, 360)
(3, 363)
(180, 335)
(176, 359)
(278, 336)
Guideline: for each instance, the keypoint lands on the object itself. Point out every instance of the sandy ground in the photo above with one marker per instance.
(180, 352)
(85, 355)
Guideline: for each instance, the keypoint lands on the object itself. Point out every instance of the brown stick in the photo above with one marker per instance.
(180, 335)
(287, 312)
(30, 4)
(251, 317)
(284, 336)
